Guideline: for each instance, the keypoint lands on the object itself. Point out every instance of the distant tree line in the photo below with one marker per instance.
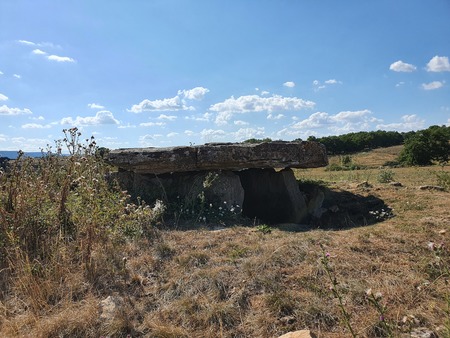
(364, 140)
(422, 147)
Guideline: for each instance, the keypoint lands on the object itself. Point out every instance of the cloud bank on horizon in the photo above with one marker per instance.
(166, 75)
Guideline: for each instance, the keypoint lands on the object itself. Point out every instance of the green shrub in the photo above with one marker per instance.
(385, 176)
(346, 163)
(426, 146)
(264, 228)
(443, 179)
(392, 164)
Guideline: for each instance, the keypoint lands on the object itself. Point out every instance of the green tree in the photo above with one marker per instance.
(427, 146)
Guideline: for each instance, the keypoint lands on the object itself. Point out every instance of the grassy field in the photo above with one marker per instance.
(381, 280)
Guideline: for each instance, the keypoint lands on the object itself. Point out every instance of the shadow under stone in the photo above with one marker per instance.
(259, 196)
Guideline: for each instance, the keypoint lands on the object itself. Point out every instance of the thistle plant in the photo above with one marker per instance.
(441, 268)
(375, 300)
(334, 288)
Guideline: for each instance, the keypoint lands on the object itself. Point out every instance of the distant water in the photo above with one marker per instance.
(13, 154)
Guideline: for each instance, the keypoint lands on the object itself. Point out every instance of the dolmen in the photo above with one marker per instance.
(255, 179)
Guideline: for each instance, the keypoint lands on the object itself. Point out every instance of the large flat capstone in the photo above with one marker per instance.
(220, 156)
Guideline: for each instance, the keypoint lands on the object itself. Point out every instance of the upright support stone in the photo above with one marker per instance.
(272, 196)
(218, 187)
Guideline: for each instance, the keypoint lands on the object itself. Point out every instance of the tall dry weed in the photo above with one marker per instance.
(61, 221)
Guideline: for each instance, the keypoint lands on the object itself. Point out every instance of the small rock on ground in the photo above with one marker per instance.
(431, 187)
(298, 334)
(420, 332)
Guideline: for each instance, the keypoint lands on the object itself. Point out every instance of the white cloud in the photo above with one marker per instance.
(265, 92)
(17, 76)
(189, 132)
(172, 134)
(125, 126)
(318, 86)
(175, 103)
(28, 43)
(171, 104)
(196, 93)
(3, 97)
(343, 122)
(401, 83)
(433, 85)
(1, 73)
(212, 135)
(316, 120)
(152, 124)
(95, 106)
(256, 103)
(28, 144)
(206, 117)
(289, 84)
(36, 126)
(438, 64)
(40, 44)
(52, 57)
(409, 122)
(39, 118)
(167, 117)
(146, 140)
(275, 117)
(400, 66)
(333, 81)
(102, 117)
(240, 123)
(247, 133)
(5, 110)
(60, 58)
(112, 142)
(39, 52)
(351, 115)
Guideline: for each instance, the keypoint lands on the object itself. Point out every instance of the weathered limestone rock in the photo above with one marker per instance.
(229, 175)
(220, 156)
(218, 187)
(110, 307)
(432, 187)
(298, 334)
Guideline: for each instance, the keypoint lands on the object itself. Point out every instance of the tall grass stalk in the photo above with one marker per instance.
(346, 316)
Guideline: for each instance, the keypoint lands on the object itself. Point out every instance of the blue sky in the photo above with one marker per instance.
(175, 72)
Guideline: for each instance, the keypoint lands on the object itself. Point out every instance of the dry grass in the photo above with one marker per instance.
(239, 282)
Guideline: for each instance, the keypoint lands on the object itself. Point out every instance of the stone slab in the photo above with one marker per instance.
(220, 156)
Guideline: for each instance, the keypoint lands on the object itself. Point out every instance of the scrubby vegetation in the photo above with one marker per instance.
(426, 146)
(70, 238)
(61, 225)
(421, 147)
